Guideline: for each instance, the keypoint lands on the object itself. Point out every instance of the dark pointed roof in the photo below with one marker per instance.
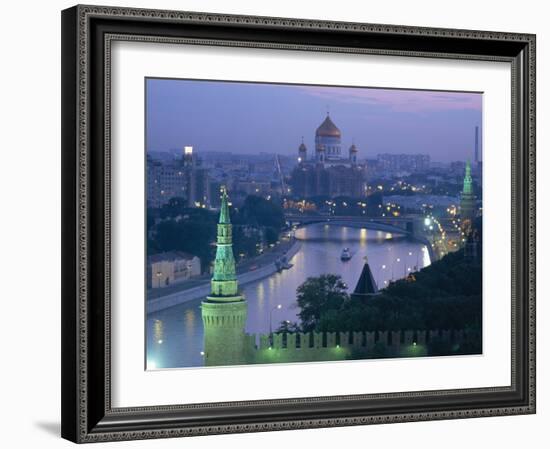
(328, 129)
(302, 147)
(353, 149)
(366, 285)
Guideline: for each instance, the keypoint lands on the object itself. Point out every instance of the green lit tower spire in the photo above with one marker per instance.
(224, 310)
(467, 186)
(467, 198)
(224, 282)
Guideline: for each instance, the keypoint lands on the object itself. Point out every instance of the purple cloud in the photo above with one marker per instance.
(398, 100)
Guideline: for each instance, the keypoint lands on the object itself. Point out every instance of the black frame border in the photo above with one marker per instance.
(87, 32)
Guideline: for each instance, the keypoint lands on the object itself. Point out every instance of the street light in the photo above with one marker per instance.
(277, 307)
(382, 267)
(159, 274)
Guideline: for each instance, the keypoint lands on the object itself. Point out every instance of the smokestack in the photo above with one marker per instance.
(476, 154)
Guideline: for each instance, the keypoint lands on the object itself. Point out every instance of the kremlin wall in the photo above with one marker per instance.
(333, 346)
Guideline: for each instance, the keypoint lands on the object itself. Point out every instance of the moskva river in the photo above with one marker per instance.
(175, 335)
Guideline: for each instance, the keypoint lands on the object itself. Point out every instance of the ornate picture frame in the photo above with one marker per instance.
(87, 35)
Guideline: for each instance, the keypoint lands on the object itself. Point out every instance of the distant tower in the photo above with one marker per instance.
(328, 139)
(353, 154)
(467, 198)
(224, 310)
(188, 159)
(302, 152)
(320, 153)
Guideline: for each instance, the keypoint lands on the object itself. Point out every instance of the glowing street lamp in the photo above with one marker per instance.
(277, 307)
(382, 267)
(159, 275)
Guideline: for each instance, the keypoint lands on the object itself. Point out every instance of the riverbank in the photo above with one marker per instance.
(181, 330)
(179, 297)
(433, 255)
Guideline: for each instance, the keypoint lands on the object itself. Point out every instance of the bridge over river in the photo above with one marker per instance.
(411, 225)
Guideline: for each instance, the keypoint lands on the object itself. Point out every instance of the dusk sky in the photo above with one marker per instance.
(250, 118)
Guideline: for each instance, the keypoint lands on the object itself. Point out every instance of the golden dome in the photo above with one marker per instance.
(328, 129)
(353, 149)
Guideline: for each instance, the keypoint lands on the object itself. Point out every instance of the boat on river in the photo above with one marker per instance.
(346, 255)
(283, 264)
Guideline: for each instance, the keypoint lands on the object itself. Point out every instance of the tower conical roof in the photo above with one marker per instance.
(366, 284)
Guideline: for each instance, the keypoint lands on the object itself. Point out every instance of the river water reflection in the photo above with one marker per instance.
(175, 335)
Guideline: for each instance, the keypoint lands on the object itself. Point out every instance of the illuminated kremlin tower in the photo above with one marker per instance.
(467, 199)
(224, 310)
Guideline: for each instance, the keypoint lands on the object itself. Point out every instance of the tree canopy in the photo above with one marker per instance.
(317, 296)
(257, 211)
(445, 295)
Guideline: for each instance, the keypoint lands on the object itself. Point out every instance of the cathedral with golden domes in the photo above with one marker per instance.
(328, 172)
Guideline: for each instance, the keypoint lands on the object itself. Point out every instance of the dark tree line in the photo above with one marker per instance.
(177, 227)
(445, 295)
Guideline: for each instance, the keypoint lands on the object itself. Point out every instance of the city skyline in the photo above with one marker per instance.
(253, 118)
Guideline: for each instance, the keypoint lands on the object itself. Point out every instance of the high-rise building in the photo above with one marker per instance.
(390, 162)
(224, 310)
(184, 178)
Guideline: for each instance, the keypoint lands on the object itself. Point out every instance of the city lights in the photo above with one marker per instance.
(264, 242)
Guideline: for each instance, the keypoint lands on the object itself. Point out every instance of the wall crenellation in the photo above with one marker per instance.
(323, 346)
(362, 339)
